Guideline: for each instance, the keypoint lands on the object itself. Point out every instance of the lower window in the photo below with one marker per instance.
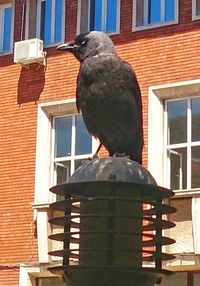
(71, 145)
(5, 27)
(182, 132)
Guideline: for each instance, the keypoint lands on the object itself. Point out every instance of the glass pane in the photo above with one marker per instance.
(47, 22)
(50, 282)
(84, 16)
(83, 138)
(154, 11)
(62, 172)
(169, 10)
(178, 168)
(177, 121)
(111, 20)
(196, 279)
(139, 13)
(7, 29)
(197, 7)
(63, 134)
(58, 21)
(95, 15)
(42, 20)
(195, 106)
(196, 167)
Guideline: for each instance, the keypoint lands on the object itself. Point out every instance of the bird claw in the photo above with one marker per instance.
(123, 155)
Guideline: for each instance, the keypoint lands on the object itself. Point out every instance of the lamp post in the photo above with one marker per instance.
(112, 225)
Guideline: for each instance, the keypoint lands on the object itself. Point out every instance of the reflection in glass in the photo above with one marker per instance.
(197, 7)
(95, 15)
(177, 121)
(111, 19)
(7, 27)
(154, 11)
(195, 167)
(63, 129)
(83, 138)
(62, 171)
(58, 20)
(178, 168)
(169, 10)
(62, 174)
(140, 13)
(195, 107)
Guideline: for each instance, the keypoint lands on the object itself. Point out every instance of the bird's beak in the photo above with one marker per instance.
(70, 47)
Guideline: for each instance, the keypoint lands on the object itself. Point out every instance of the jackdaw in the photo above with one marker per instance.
(108, 95)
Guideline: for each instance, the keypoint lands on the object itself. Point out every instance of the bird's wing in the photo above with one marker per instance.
(109, 97)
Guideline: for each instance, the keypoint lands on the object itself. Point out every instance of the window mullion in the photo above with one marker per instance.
(104, 15)
(38, 22)
(73, 142)
(162, 15)
(166, 157)
(53, 8)
(53, 169)
(146, 12)
(189, 136)
(2, 11)
(89, 16)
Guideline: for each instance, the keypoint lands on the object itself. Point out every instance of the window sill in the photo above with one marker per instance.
(6, 53)
(186, 193)
(195, 17)
(153, 26)
(40, 205)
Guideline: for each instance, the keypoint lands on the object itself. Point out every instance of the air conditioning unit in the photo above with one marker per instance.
(29, 51)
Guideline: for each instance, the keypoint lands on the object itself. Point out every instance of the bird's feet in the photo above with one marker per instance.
(123, 155)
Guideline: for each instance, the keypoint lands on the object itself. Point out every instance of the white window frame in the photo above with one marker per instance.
(186, 144)
(38, 20)
(29, 272)
(104, 15)
(156, 25)
(157, 164)
(43, 177)
(9, 4)
(194, 15)
(72, 157)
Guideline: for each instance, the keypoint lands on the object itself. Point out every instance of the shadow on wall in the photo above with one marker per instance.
(31, 84)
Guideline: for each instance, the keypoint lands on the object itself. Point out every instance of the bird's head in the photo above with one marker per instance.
(89, 44)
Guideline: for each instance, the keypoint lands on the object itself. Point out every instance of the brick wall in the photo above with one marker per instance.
(161, 55)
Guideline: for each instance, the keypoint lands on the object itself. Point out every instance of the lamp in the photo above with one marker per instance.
(112, 225)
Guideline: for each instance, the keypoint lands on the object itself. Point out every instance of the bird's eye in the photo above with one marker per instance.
(83, 43)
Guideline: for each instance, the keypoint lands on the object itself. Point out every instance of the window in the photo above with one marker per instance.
(99, 15)
(148, 13)
(183, 143)
(72, 144)
(45, 20)
(173, 137)
(62, 143)
(195, 9)
(6, 11)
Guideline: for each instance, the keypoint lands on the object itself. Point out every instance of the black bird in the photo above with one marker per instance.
(108, 95)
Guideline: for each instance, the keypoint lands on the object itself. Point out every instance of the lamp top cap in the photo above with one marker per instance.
(112, 169)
